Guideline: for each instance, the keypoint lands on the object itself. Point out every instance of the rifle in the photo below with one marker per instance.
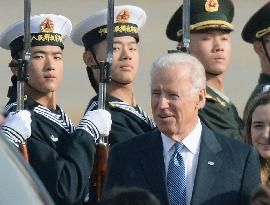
(102, 146)
(184, 47)
(23, 68)
(186, 26)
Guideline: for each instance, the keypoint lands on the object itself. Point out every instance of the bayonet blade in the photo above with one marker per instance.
(186, 25)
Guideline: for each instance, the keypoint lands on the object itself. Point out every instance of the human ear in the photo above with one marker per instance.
(88, 58)
(258, 48)
(201, 99)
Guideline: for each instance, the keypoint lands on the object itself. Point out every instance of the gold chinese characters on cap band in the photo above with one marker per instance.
(47, 33)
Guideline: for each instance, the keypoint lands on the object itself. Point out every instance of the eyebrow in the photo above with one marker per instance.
(45, 52)
(130, 42)
(212, 32)
(154, 89)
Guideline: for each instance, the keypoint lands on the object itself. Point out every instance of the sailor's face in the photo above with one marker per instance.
(46, 68)
(125, 59)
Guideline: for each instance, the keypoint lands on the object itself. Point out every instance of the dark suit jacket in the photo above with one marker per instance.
(221, 116)
(139, 162)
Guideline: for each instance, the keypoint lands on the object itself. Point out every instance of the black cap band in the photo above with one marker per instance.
(37, 39)
(99, 34)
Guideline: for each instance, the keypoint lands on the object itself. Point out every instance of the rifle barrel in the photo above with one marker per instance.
(27, 32)
(102, 146)
(110, 25)
(23, 68)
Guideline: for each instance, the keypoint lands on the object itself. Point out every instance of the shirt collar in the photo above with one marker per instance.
(220, 94)
(191, 141)
(167, 142)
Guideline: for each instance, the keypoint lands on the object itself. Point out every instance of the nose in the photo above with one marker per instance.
(266, 132)
(126, 53)
(163, 102)
(50, 65)
(218, 45)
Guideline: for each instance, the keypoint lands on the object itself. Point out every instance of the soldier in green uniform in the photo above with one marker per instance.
(210, 27)
(128, 119)
(257, 32)
(61, 154)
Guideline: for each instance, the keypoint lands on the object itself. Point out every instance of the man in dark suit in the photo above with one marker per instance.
(214, 169)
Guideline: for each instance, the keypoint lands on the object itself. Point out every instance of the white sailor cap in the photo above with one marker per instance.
(45, 29)
(128, 20)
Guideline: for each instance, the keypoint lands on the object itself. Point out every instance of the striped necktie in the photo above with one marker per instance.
(176, 182)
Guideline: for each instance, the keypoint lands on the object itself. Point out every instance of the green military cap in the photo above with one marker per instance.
(258, 25)
(204, 15)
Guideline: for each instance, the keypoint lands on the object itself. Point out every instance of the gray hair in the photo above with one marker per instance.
(197, 71)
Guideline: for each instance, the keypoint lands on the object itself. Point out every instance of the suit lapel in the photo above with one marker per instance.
(153, 166)
(209, 164)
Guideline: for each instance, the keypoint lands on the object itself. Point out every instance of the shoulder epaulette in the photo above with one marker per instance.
(112, 104)
(215, 99)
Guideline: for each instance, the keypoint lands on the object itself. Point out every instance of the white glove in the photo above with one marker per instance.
(266, 88)
(17, 126)
(96, 122)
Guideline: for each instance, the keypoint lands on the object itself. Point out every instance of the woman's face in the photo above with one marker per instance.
(260, 130)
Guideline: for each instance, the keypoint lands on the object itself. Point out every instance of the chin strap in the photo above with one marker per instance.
(265, 50)
(98, 65)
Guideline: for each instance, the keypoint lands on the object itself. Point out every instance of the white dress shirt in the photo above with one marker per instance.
(190, 154)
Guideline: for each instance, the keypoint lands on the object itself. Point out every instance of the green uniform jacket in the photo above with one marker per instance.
(220, 116)
(127, 121)
(263, 80)
(61, 155)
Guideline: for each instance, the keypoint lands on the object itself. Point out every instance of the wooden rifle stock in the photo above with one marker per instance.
(24, 151)
(100, 170)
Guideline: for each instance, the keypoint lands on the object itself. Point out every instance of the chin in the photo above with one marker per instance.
(217, 70)
(124, 81)
(167, 131)
(49, 90)
(265, 155)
